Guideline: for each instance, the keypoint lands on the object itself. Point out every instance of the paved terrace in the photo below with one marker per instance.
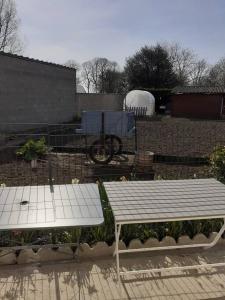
(96, 278)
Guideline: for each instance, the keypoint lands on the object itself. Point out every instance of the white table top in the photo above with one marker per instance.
(166, 200)
(35, 207)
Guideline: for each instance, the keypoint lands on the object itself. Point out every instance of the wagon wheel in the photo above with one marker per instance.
(116, 143)
(101, 152)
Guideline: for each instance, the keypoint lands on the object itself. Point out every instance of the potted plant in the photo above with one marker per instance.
(32, 150)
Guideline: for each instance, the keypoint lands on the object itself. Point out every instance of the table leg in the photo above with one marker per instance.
(117, 235)
(217, 237)
(202, 245)
(78, 245)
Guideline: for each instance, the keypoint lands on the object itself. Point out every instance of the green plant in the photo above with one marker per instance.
(175, 229)
(71, 235)
(191, 228)
(104, 232)
(217, 163)
(33, 149)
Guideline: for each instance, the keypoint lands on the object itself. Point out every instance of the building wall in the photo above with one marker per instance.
(35, 92)
(197, 106)
(113, 102)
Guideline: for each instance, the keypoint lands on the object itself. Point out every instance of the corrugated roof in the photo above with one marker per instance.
(34, 60)
(198, 90)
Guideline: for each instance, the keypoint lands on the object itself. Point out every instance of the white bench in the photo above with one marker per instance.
(136, 202)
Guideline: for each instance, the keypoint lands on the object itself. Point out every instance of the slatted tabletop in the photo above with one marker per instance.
(30, 207)
(166, 200)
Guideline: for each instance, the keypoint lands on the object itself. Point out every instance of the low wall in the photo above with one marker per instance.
(113, 102)
(180, 137)
(100, 249)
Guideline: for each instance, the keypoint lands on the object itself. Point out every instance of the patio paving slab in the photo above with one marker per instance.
(96, 278)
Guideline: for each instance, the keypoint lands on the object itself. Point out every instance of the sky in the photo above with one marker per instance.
(59, 30)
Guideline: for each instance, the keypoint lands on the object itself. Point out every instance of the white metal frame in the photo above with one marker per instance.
(117, 252)
(37, 246)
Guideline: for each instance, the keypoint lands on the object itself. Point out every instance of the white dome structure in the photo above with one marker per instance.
(138, 98)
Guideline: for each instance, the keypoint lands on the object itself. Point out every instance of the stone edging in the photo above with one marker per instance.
(100, 249)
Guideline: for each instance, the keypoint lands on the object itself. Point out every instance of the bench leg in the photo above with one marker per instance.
(117, 236)
(217, 237)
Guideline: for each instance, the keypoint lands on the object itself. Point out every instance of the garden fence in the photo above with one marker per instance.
(160, 150)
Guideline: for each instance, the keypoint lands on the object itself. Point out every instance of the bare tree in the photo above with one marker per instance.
(95, 73)
(188, 68)
(71, 63)
(199, 72)
(104, 67)
(182, 61)
(9, 25)
(86, 75)
(216, 76)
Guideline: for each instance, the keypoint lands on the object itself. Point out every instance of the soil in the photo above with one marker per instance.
(65, 167)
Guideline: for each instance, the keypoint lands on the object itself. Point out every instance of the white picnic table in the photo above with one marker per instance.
(46, 207)
(136, 202)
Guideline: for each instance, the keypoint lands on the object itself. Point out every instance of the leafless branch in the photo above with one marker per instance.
(9, 25)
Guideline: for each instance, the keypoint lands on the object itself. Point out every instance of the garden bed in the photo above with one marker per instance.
(180, 171)
(67, 166)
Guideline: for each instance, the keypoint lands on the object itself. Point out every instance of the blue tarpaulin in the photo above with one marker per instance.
(120, 123)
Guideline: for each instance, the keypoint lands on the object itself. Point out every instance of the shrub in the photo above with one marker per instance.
(33, 149)
(217, 162)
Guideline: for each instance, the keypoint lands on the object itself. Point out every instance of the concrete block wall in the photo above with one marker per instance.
(35, 92)
(113, 102)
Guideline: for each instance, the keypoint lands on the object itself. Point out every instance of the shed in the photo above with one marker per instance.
(198, 102)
